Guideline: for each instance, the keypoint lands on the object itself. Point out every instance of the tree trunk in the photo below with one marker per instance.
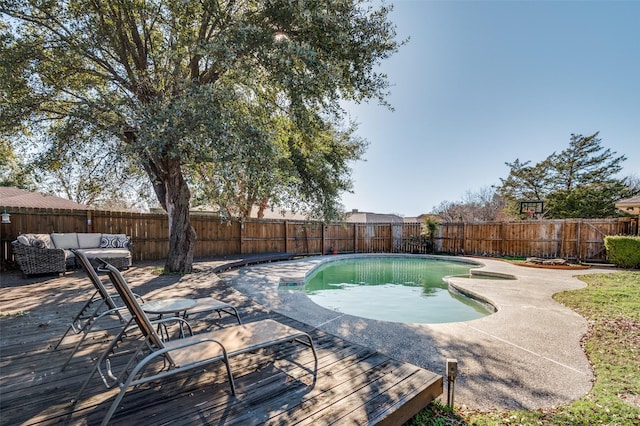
(174, 195)
(182, 236)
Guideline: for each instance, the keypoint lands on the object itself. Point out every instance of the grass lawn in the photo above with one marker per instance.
(611, 304)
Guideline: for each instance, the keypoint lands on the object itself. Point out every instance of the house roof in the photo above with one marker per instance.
(16, 197)
(629, 205)
(633, 201)
(368, 217)
(421, 218)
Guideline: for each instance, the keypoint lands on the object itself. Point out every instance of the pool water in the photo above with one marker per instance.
(397, 289)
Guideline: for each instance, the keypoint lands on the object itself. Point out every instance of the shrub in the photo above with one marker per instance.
(623, 251)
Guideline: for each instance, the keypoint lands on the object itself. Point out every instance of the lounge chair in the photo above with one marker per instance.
(180, 355)
(103, 304)
(100, 304)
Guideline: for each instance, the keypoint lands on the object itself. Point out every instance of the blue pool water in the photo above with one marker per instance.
(398, 289)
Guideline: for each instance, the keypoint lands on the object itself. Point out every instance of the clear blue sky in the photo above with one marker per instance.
(481, 83)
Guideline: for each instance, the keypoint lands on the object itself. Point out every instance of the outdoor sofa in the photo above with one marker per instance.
(52, 253)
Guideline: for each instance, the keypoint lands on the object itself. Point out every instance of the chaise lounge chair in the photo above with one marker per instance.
(171, 357)
(103, 304)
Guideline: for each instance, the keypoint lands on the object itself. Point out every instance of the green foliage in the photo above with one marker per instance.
(429, 227)
(623, 251)
(13, 172)
(436, 414)
(578, 182)
(200, 92)
(299, 172)
(17, 314)
(98, 174)
(425, 242)
(525, 182)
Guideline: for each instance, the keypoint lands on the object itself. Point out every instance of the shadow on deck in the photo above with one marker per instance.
(353, 384)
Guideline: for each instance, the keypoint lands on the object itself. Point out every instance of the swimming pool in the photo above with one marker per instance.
(394, 288)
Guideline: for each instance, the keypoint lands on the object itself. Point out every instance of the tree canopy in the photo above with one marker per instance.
(579, 182)
(244, 93)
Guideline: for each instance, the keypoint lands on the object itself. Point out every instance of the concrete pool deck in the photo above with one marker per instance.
(527, 355)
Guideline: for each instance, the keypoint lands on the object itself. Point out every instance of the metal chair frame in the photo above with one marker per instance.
(183, 354)
(106, 306)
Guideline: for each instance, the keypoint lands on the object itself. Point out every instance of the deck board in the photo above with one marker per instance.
(353, 384)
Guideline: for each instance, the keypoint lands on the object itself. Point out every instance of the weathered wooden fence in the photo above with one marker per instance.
(580, 239)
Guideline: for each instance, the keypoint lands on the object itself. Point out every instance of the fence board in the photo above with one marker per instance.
(579, 239)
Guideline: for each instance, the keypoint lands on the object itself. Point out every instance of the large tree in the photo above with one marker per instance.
(580, 181)
(179, 84)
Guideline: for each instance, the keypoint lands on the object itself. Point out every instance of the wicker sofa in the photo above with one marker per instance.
(51, 253)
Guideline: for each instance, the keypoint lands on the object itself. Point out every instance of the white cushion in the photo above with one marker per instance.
(23, 239)
(91, 240)
(39, 240)
(106, 252)
(65, 241)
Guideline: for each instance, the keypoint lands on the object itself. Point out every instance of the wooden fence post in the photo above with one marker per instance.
(561, 245)
(286, 236)
(355, 237)
(89, 222)
(578, 248)
(464, 238)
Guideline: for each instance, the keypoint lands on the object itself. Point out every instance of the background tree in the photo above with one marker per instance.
(13, 171)
(178, 84)
(270, 179)
(97, 175)
(633, 183)
(580, 181)
(428, 229)
(483, 205)
(524, 183)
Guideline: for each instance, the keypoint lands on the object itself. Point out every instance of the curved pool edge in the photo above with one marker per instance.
(456, 284)
(527, 355)
(485, 301)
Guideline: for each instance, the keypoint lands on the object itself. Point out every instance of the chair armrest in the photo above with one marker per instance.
(22, 249)
(34, 260)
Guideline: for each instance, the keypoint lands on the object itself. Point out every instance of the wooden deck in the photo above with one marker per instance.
(352, 384)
